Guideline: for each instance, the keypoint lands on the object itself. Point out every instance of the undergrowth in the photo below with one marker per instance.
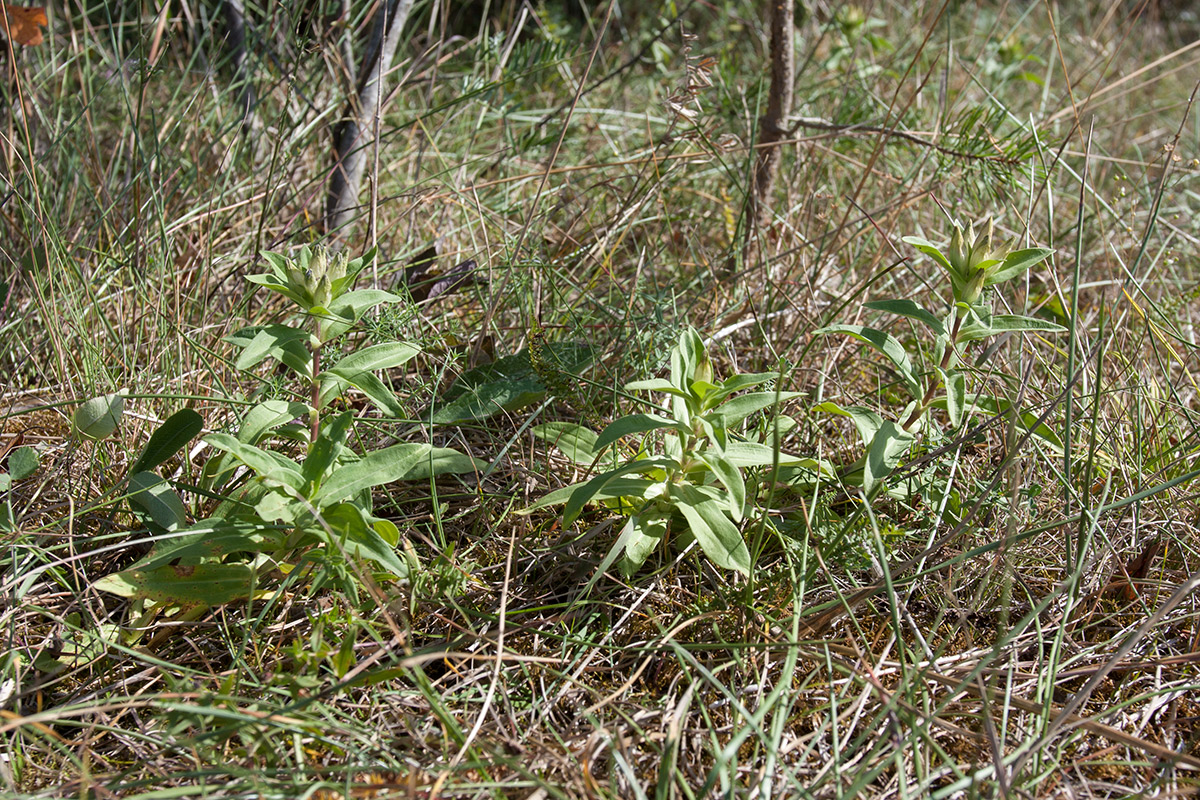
(557, 201)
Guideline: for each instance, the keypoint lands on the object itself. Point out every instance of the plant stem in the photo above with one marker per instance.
(314, 416)
(931, 389)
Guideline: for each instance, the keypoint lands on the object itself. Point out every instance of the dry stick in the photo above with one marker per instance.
(772, 126)
(355, 132)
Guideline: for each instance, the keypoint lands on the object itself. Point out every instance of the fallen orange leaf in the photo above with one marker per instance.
(20, 23)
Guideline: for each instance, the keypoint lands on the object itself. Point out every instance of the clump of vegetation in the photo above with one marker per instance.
(621, 509)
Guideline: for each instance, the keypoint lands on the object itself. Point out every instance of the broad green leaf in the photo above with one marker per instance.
(278, 264)
(582, 495)
(754, 454)
(655, 385)
(618, 488)
(400, 462)
(865, 420)
(279, 287)
(170, 437)
(324, 452)
(576, 441)
(278, 507)
(738, 408)
(335, 381)
(360, 539)
(646, 536)
(98, 418)
(290, 346)
(890, 443)
(155, 497)
(1018, 263)
(352, 305)
(1002, 323)
(956, 395)
(929, 249)
(748, 380)
(489, 399)
(910, 309)
(22, 463)
(886, 345)
(266, 464)
(188, 586)
(719, 538)
(214, 539)
(267, 415)
(635, 423)
(731, 477)
(376, 357)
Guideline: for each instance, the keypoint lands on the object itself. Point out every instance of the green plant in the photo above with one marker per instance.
(314, 510)
(684, 474)
(973, 264)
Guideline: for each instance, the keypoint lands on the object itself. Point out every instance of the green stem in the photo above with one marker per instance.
(934, 383)
(314, 416)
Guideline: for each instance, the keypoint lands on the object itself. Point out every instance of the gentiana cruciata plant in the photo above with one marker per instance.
(973, 264)
(279, 513)
(679, 476)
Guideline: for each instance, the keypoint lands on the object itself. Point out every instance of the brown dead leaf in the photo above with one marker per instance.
(23, 24)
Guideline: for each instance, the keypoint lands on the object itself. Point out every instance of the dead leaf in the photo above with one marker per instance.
(23, 24)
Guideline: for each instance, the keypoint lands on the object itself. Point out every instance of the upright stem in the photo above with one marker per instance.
(314, 416)
(931, 389)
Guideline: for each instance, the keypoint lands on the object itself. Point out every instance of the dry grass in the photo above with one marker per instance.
(1006, 649)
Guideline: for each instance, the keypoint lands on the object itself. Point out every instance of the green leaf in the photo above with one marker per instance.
(907, 308)
(324, 452)
(489, 399)
(865, 420)
(287, 345)
(214, 539)
(885, 344)
(401, 462)
(586, 493)
(887, 447)
(267, 415)
(731, 477)
(577, 442)
(931, 250)
(738, 408)
(719, 538)
(616, 489)
(655, 385)
(352, 305)
(280, 287)
(956, 395)
(754, 454)
(22, 463)
(154, 497)
(1002, 323)
(170, 437)
(377, 357)
(266, 464)
(636, 423)
(335, 381)
(360, 539)
(1018, 263)
(98, 418)
(646, 533)
(188, 586)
